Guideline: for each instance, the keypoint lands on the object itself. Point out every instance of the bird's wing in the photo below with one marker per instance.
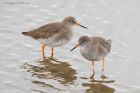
(105, 45)
(44, 32)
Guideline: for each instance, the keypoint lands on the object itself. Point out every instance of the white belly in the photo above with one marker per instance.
(54, 42)
(91, 54)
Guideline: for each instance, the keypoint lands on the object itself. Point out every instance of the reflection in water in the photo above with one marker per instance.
(43, 84)
(62, 72)
(98, 87)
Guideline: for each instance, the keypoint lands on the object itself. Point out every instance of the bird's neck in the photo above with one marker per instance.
(70, 27)
(85, 48)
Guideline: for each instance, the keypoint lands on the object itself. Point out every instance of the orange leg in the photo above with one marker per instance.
(92, 76)
(102, 73)
(103, 66)
(52, 54)
(43, 55)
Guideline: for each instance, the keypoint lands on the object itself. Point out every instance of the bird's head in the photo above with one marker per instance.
(72, 21)
(83, 40)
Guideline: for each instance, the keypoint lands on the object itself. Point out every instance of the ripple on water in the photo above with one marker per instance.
(54, 6)
(50, 76)
(45, 10)
(9, 17)
(33, 6)
(28, 45)
(72, 6)
(106, 22)
(98, 18)
(62, 72)
(102, 1)
(12, 9)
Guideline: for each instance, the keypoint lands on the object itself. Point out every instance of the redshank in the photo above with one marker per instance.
(94, 49)
(54, 34)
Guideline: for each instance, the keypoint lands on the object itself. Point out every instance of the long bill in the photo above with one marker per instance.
(75, 47)
(80, 25)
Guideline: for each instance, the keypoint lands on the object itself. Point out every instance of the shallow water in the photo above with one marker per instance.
(21, 68)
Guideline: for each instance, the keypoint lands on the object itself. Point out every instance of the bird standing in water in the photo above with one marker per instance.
(94, 49)
(54, 34)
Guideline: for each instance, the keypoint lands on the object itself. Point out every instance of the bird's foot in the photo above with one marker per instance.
(53, 59)
(92, 77)
(103, 76)
(45, 61)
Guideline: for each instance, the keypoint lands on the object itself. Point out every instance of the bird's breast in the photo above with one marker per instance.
(88, 53)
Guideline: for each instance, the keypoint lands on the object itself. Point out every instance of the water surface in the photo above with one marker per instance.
(21, 68)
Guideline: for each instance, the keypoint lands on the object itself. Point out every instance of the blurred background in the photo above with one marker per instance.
(21, 68)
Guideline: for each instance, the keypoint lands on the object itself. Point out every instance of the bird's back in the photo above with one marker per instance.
(45, 31)
(102, 45)
(101, 42)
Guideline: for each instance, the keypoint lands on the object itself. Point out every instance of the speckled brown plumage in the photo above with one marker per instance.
(94, 49)
(46, 31)
(54, 34)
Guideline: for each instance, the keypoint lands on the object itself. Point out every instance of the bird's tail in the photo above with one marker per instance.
(110, 41)
(25, 33)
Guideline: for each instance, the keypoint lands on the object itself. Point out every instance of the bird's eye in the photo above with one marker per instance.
(82, 41)
(73, 21)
